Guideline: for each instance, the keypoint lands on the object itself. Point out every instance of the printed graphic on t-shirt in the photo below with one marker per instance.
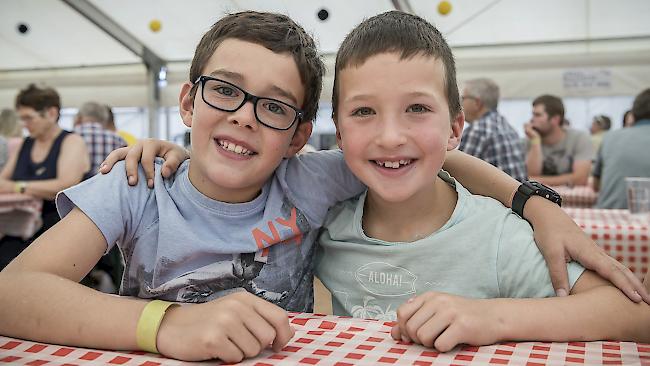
(386, 284)
(279, 241)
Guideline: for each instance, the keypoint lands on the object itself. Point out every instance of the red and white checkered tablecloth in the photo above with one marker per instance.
(624, 236)
(578, 196)
(331, 340)
(20, 215)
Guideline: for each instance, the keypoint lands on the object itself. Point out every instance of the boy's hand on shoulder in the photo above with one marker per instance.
(145, 152)
(443, 321)
(231, 328)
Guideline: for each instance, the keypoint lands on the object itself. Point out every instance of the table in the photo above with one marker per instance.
(332, 340)
(20, 215)
(624, 236)
(578, 196)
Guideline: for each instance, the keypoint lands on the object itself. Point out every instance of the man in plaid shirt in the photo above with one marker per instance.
(488, 135)
(90, 123)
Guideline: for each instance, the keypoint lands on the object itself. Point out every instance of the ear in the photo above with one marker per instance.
(556, 120)
(339, 141)
(456, 131)
(52, 113)
(186, 104)
(299, 139)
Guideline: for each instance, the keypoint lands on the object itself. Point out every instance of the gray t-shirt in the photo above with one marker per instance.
(483, 251)
(623, 153)
(180, 245)
(559, 157)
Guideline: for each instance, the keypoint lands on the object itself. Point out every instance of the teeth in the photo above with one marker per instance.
(393, 164)
(237, 149)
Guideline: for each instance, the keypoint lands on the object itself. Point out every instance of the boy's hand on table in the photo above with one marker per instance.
(231, 328)
(145, 151)
(560, 240)
(443, 321)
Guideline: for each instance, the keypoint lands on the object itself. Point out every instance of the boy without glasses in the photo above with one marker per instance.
(232, 228)
(394, 130)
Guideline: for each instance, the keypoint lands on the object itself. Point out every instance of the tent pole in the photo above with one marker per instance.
(153, 62)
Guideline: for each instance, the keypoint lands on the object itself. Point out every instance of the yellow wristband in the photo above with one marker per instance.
(536, 141)
(148, 324)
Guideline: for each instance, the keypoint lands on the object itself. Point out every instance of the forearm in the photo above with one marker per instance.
(534, 160)
(480, 177)
(595, 184)
(582, 317)
(47, 189)
(47, 308)
(554, 180)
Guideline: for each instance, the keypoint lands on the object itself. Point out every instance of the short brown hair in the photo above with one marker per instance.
(39, 99)
(399, 32)
(641, 106)
(552, 105)
(276, 32)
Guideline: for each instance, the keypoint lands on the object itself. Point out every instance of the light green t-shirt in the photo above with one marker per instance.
(483, 251)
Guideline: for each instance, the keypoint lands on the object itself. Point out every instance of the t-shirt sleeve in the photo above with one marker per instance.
(584, 148)
(318, 180)
(521, 269)
(110, 203)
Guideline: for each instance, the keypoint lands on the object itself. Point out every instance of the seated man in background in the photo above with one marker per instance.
(599, 126)
(90, 122)
(557, 155)
(623, 153)
(489, 136)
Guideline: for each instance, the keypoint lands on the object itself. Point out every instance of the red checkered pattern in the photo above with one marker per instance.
(20, 215)
(578, 196)
(624, 236)
(330, 340)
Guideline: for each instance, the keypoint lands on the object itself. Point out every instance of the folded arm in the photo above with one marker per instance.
(444, 321)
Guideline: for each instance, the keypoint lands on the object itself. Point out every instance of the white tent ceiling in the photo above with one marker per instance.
(526, 45)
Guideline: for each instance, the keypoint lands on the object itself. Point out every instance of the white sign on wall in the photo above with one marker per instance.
(587, 79)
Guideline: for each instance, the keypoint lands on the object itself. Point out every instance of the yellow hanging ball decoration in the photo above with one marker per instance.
(444, 7)
(155, 25)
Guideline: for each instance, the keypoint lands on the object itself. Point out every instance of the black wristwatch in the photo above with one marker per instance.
(529, 188)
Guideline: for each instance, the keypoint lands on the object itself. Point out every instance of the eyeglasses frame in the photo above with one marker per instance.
(248, 97)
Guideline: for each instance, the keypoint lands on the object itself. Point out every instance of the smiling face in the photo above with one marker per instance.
(232, 153)
(393, 124)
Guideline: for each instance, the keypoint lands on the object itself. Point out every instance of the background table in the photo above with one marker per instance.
(20, 215)
(624, 236)
(578, 196)
(331, 340)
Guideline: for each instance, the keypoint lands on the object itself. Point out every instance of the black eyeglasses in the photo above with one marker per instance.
(228, 97)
